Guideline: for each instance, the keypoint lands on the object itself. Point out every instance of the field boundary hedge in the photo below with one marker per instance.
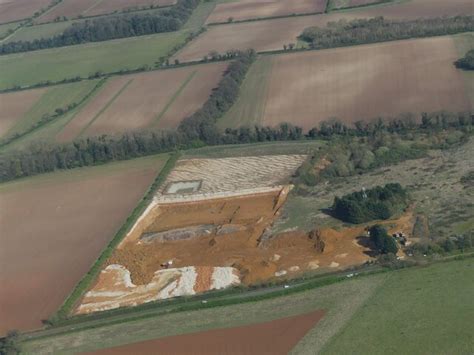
(340, 9)
(266, 18)
(68, 305)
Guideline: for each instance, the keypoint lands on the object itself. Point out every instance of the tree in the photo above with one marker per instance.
(10, 344)
(466, 62)
(382, 242)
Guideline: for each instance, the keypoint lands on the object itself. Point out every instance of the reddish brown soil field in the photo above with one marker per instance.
(275, 337)
(273, 34)
(53, 227)
(363, 82)
(74, 8)
(14, 105)
(160, 98)
(14, 10)
(251, 9)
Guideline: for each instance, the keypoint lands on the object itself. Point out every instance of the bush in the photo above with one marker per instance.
(364, 206)
(383, 243)
(467, 62)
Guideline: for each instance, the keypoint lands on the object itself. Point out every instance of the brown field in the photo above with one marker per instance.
(14, 10)
(75, 8)
(273, 34)
(54, 226)
(274, 337)
(251, 9)
(14, 105)
(160, 98)
(364, 82)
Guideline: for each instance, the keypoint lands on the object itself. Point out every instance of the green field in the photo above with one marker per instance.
(250, 106)
(405, 311)
(83, 60)
(56, 97)
(426, 311)
(4, 29)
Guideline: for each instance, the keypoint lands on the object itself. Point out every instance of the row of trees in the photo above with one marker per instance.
(378, 29)
(111, 27)
(368, 205)
(466, 62)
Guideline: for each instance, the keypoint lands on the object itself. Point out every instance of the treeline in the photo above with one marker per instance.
(466, 62)
(378, 29)
(368, 205)
(110, 27)
(378, 143)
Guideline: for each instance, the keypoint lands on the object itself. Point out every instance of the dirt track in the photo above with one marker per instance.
(251, 9)
(275, 337)
(14, 105)
(52, 228)
(273, 34)
(364, 82)
(14, 10)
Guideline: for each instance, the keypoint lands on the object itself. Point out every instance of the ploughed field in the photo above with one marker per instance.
(253, 9)
(53, 227)
(360, 82)
(14, 10)
(74, 8)
(275, 337)
(270, 35)
(154, 99)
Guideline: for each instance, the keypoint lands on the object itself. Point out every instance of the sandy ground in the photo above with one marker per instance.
(274, 337)
(14, 105)
(74, 8)
(251, 9)
(273, 34)
(52, 229)
(234, 174)
(14, 10)
(363, 82)
(160, 98)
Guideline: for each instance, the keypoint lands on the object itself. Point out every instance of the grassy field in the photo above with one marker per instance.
(250, 105)
(56, 97)
(4, 29)
(427, 311)
(83, 60)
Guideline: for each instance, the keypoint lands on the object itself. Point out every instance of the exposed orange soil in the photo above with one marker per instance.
(134, 102)
(14, 105)
(251, 9)
(14, 10)
(274, 337)
(74, 8)
(53, 228)
(273, 34)
(363, 82)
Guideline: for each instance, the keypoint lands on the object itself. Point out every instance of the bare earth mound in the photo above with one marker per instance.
(273, 34)
(161, 98)
(74, 8)
(14, 105)
(275, 337)
(252, 9)
(14, 10)
(363, 82)
(53, 227)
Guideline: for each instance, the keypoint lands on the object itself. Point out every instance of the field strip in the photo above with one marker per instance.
(107, 105)
(175, 96)
(91, 7)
